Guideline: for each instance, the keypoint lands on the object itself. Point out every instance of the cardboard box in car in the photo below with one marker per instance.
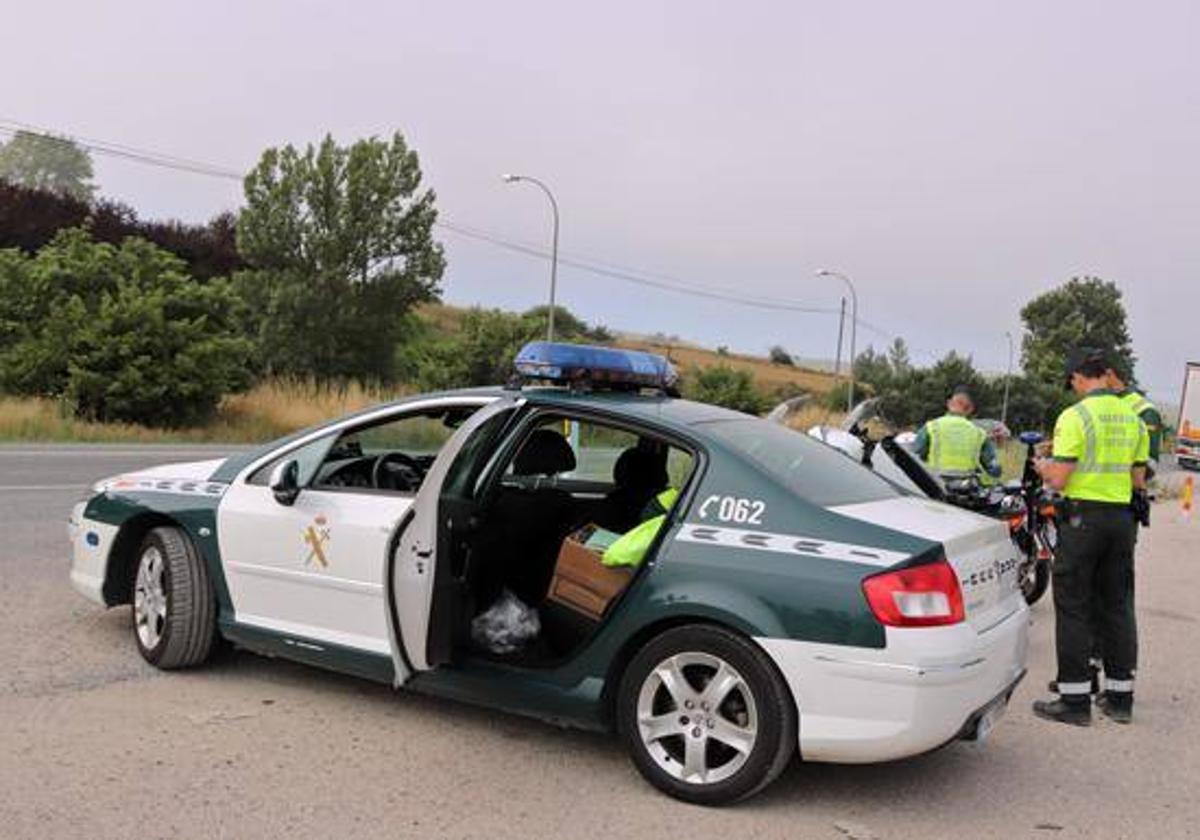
(581, 582)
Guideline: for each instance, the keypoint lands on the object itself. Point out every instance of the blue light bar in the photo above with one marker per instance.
(585, 364)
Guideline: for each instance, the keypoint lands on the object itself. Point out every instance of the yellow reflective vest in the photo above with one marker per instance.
(955, 444)
(631, 547)
(1104, 439)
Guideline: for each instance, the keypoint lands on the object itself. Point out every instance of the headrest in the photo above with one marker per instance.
(545, 453)
(638, 468)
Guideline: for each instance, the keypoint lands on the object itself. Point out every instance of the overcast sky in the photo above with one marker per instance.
(955, 158)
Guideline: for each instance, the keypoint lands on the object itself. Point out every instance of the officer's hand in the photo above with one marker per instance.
(1043, 449)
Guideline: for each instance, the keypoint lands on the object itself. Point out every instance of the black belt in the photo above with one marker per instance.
(1093, 504)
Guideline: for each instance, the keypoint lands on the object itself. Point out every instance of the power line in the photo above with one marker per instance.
(593, 266)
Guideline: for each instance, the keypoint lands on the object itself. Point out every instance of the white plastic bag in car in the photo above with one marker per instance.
(506, 626)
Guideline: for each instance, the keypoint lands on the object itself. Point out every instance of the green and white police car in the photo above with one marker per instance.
(791, 599)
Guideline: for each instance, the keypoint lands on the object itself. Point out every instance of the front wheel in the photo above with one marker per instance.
(705, 716)
(174, 615)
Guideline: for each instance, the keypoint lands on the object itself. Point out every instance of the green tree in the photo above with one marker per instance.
(725, 386)
(482, 350)
(1084, 311)
(341, 240)
(46, 162)
(122, 333)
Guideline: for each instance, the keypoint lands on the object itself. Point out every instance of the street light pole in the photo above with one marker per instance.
(837, 360)
(1007, 379)
(853, 327)
(512, 179)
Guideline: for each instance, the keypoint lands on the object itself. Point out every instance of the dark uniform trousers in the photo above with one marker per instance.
(1093, 593)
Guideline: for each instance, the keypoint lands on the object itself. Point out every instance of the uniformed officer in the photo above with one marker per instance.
(953, 446)
(1099, 459)
(1147, 412)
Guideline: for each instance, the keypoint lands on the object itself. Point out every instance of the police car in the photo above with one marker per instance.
(791, 600)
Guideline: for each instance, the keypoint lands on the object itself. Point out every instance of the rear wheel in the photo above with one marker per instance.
(174, 615)
(1035, 577)
(705, 716)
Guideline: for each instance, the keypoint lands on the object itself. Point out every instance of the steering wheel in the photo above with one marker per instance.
(402, 472)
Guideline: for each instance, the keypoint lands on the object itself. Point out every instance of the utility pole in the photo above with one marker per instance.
(853, 329)
(1007, 379)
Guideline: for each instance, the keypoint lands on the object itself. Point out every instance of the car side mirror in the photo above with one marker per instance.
(285, 482)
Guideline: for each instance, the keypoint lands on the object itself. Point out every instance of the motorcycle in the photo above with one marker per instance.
(1028, 508)
(1026, 505)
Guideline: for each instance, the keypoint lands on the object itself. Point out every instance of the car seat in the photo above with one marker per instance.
(639, 475)
(532, 517)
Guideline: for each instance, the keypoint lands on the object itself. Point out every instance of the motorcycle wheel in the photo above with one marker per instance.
(1035, 578)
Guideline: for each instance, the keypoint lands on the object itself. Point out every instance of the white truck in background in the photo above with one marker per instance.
(1187, 435)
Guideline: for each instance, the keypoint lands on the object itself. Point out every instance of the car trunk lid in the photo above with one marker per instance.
(978, 548)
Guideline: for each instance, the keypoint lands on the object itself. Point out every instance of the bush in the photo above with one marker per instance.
(779, 356)
(725, 386)
(123, 333)
(30, 219)
(482, 351)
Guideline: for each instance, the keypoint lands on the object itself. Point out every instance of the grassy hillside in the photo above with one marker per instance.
(277, 407)
(768, 377)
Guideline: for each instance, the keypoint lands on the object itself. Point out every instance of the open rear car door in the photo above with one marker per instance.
(416, 571)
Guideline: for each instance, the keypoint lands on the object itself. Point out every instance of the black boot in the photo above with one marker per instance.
(1118, 707)
(1061, 711)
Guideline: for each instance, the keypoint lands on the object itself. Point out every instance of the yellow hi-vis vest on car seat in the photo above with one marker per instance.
(1102, 436)
(954, 445)
(631, 547)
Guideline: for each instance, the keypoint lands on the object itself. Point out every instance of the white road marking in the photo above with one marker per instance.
(13, 488)
(119, 453)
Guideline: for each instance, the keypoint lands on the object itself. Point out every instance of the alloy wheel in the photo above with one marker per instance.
(697, 717)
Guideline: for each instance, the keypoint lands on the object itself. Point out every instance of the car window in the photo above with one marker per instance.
(309, 458)
(391, 455)
(812, 470)
(598, 446)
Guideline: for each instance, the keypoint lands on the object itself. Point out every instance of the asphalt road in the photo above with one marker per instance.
(94, 743)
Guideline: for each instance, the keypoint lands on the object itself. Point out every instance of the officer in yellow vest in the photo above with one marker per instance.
(952, 446)
(1099, 459)
(1147, 412)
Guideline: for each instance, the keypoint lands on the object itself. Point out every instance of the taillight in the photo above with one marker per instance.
(1047, 511)
(919, 596)
(1016, 521)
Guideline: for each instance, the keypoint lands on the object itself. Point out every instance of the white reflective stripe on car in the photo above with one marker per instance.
(1074, 688)
(795, 544)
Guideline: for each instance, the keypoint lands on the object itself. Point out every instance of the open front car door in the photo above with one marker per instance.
(421, 634)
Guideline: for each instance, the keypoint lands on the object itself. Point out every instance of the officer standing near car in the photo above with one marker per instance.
(1099, 460)
(953, 446)
(1147, 412)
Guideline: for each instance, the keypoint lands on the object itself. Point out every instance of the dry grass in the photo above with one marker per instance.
(269, 410)
(767, 376)
(814, 415)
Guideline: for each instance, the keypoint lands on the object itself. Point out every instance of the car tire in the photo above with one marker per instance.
(174, 613)
(682, 741)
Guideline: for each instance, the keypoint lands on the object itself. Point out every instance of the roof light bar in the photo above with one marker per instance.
(596, 367)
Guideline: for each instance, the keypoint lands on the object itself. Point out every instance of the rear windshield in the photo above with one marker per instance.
(812, 470)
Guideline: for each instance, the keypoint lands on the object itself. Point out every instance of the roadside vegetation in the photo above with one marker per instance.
(322, 294)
